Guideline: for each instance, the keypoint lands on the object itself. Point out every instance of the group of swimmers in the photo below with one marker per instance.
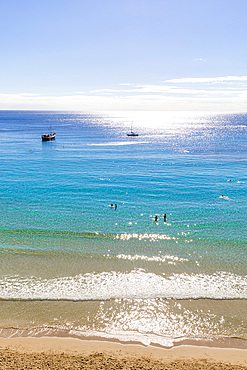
(156, 218)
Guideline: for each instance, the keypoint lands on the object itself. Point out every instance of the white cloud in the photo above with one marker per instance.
(217, 93)
(105, 91)
(199, 60)
(209, 79)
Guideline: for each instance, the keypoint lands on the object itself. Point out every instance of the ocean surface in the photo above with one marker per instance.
(73, 265)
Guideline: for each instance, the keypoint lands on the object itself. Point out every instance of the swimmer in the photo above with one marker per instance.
(164, 217)
(112, 205)
(156, 218)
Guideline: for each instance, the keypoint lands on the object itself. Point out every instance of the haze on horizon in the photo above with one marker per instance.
(123, 55)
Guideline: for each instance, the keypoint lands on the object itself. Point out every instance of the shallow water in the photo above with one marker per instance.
(71, 263)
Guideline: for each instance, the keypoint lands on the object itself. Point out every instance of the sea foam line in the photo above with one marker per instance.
(137, 257)
(145, 236)
(135, 284)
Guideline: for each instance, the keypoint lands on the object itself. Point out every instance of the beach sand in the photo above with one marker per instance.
(67, 353)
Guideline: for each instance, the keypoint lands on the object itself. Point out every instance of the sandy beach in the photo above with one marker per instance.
(67, 353)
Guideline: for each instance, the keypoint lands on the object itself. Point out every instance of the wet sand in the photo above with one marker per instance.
(67, 353)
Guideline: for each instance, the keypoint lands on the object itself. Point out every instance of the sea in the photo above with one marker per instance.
(81, 254)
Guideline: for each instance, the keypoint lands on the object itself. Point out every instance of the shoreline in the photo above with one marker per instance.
(213, 342)
(101, 350)
(49, 332)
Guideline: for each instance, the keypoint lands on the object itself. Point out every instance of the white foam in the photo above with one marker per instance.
(224, 197)
(151, 259)
(127, 336)
(146, 236)
(135, 284)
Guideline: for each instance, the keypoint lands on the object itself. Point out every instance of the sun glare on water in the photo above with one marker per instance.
(157, 120)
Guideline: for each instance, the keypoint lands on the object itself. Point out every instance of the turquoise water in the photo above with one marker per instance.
(71, 263)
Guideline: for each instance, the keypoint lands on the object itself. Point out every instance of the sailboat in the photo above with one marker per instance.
(50, 136)
(132, 133)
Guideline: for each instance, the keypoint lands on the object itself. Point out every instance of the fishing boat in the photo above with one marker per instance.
(49, 137)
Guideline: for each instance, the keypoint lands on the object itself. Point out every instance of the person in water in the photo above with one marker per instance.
(156, 218)
(164, 217)
(115, 206)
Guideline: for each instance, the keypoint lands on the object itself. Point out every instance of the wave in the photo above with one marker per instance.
(42, 241)
(132, 285)
(38, 232)
(88, 235)
(117, 143)
(136, 257)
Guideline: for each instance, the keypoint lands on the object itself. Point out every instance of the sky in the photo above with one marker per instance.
(94, 55)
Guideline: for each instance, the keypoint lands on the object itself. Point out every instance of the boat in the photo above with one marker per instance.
(132, 133)
(49, 137)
